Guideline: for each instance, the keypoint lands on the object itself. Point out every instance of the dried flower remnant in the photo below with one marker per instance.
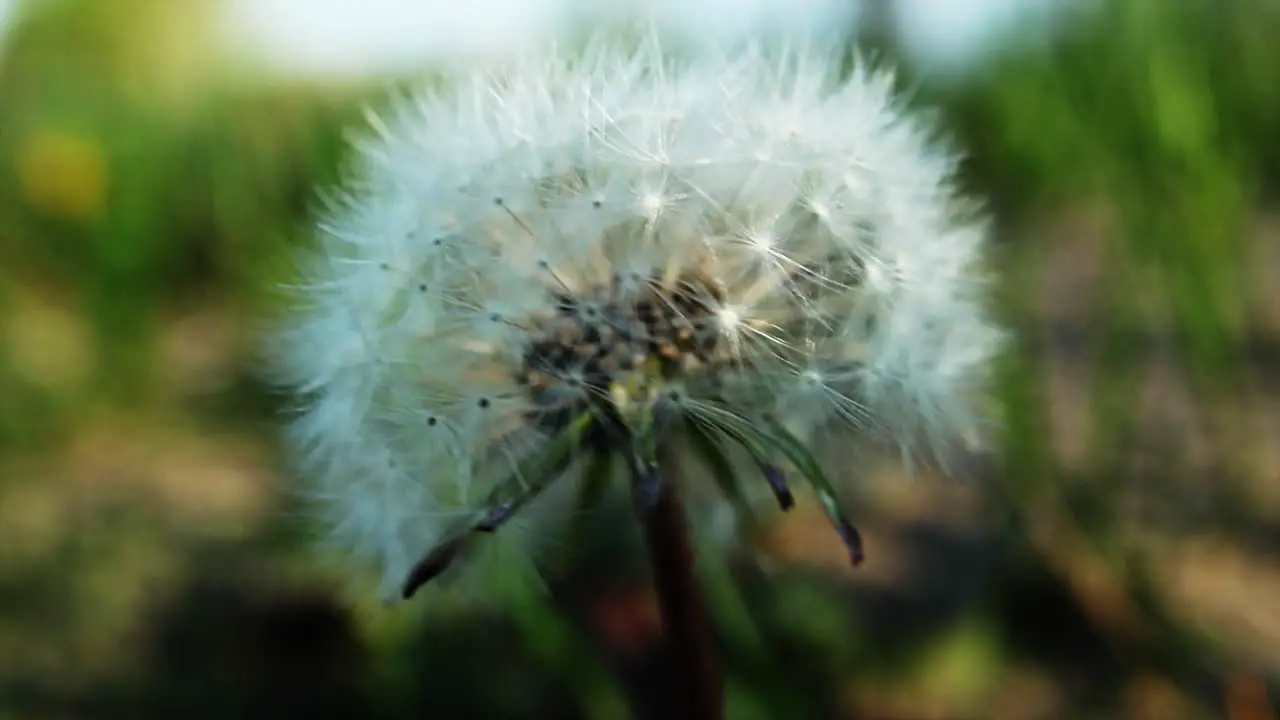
(572, 255)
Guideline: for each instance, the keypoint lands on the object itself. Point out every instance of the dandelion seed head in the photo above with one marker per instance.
(616, 234)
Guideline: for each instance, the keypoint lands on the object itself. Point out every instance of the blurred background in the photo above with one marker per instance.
(1115, 555)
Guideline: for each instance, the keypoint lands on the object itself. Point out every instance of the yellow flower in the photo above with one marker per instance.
(63, 175)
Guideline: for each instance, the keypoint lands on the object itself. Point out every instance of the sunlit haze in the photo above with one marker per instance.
(353, 37)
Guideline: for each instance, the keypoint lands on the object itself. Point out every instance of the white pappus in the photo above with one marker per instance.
(743, 240)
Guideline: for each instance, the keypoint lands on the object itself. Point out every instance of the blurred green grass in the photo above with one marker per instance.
(1118, 556)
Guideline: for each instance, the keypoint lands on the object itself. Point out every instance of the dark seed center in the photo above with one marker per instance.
(600, 335)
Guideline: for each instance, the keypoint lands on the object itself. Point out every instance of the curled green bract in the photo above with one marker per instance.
(764, 441)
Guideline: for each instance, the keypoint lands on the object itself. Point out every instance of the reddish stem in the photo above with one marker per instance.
(685, 619)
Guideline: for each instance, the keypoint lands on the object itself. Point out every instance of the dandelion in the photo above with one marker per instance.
(618, 254)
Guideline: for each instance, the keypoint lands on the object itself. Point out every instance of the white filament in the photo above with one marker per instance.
(821, 209)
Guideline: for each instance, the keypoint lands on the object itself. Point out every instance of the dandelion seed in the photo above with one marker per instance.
(575, 255)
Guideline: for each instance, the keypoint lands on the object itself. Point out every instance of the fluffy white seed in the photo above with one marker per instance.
(840, 290)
